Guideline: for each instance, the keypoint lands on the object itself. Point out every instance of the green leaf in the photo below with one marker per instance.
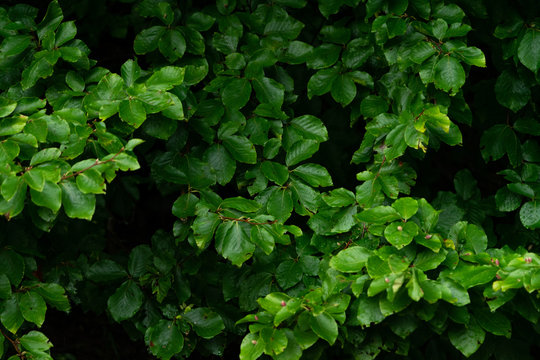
(35, 341)
(232, 242)
(206, 323)
(268, 91)
(275, 172)
(148, 39)
(529, 49)
(126, 301)
(204, 227)
(339, 198)
(76, 203)
(310, 127)
(33, 307)
(324, 326)
(406, 207)
(493, 322)
(11, 316)
(449, 74)
(12, 265)
(184, 206)
(475, 239)
(240, 148)
(321, 82)
(467, 339)
(507, 200)
(400, 234)
(288, 273)
(529, 214)
(7, 106)
(172, 44)
(239, 203)
(131, 71)
(164, 339)
(105, 270)
(300, 151)
(511, 91)
(314, 174)
(352, 259)
(54, 295)
(497, 141)
(251, 348)
(280, 204)
(166, 78)
(378, 215)
(91, 182)
(140, 258)
(221, 163)
(75, 81)
(50, 197)
(5, 287)
(262, 237)
(236, 93)
(343, 89)
(53, 18)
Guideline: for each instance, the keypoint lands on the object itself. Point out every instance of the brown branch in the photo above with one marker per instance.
(96, 163)
(15, 344)
(248, 220)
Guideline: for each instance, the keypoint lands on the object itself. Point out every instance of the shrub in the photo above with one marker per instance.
(316, 179)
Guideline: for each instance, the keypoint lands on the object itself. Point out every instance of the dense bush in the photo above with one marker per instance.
(286, 179)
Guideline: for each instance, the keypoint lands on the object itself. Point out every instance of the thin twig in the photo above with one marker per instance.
(15, 344)
(248, 220)
(96, 163)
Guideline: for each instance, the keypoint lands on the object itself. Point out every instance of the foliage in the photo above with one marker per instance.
(247, 121)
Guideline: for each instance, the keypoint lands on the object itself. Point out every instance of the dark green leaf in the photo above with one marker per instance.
(164, 339)
(206, 323)
(125, 301)
(33, 307)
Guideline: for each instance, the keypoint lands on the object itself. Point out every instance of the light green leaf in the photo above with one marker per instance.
(166, 78)
(50, 197)
(406, 207)
(400, 234)
(324, 326)
(35, 341)
(352, 259)
(378, 215)
(239, 203)
(33, 307)
(251, 347)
